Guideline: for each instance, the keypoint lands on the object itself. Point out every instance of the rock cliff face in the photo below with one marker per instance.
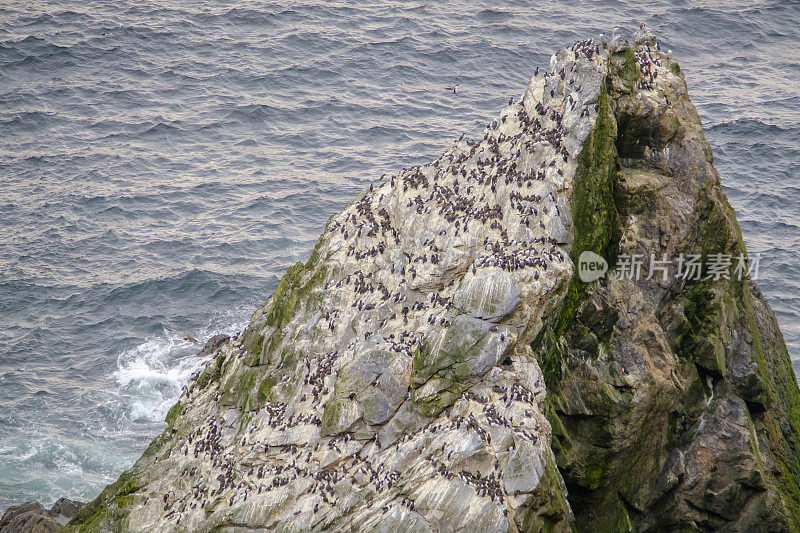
(438, 364)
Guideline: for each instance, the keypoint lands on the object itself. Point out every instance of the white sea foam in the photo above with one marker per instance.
(150, 375)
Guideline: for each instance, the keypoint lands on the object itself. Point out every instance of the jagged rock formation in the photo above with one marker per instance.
(31, 517)
(437, 365)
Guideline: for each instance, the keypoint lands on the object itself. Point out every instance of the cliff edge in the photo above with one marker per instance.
(443, 362)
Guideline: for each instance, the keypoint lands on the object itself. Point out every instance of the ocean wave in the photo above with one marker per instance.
(163, 128)
(749, 125)
(195, 281)
(494, 15)
(28, 119)
(150, 376)
(258, 113)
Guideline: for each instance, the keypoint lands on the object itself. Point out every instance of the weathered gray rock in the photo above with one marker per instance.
(31, 517)
(64, 509)
(213, 344)
(437, 366)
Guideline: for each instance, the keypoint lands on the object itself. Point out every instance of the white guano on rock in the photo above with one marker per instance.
(398, 391)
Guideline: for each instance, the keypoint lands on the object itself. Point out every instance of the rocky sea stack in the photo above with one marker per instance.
(439, 365)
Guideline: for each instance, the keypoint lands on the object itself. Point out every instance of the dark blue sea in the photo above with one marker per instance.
(163, 162)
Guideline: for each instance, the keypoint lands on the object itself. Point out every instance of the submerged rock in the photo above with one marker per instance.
(437, 365)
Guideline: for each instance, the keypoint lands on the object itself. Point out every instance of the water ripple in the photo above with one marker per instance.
(163, 163)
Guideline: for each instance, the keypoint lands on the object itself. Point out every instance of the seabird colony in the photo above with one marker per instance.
(395, 392)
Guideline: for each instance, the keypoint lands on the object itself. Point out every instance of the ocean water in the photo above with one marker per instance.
(163, 162)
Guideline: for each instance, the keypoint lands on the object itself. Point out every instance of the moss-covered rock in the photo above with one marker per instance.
(682, 369)
(596, 229)
(112, 501)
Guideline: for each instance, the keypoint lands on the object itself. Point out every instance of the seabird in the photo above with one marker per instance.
(454, 88)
